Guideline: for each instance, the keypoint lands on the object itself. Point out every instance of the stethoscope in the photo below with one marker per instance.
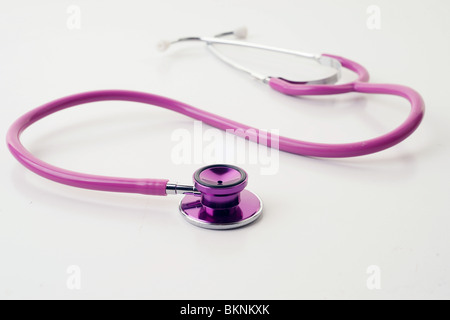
(218, 198)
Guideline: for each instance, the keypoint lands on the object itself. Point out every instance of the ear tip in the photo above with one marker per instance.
(241, 33)
(162, 45)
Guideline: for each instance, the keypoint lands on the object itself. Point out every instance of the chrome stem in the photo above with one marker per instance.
(175, 188)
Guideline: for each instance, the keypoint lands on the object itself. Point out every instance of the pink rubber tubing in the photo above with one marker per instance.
(158, 186)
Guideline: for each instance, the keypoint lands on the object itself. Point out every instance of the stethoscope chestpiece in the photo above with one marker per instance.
(222, 202)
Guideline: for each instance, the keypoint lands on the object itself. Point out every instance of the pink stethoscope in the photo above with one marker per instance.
(218, 199)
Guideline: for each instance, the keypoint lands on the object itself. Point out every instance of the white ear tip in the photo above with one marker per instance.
(240, 33)
(163, 45)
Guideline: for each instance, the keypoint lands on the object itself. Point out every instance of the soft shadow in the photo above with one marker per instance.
(401, 164)
(89, 202)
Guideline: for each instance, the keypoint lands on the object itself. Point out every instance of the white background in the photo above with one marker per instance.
(325, 221)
